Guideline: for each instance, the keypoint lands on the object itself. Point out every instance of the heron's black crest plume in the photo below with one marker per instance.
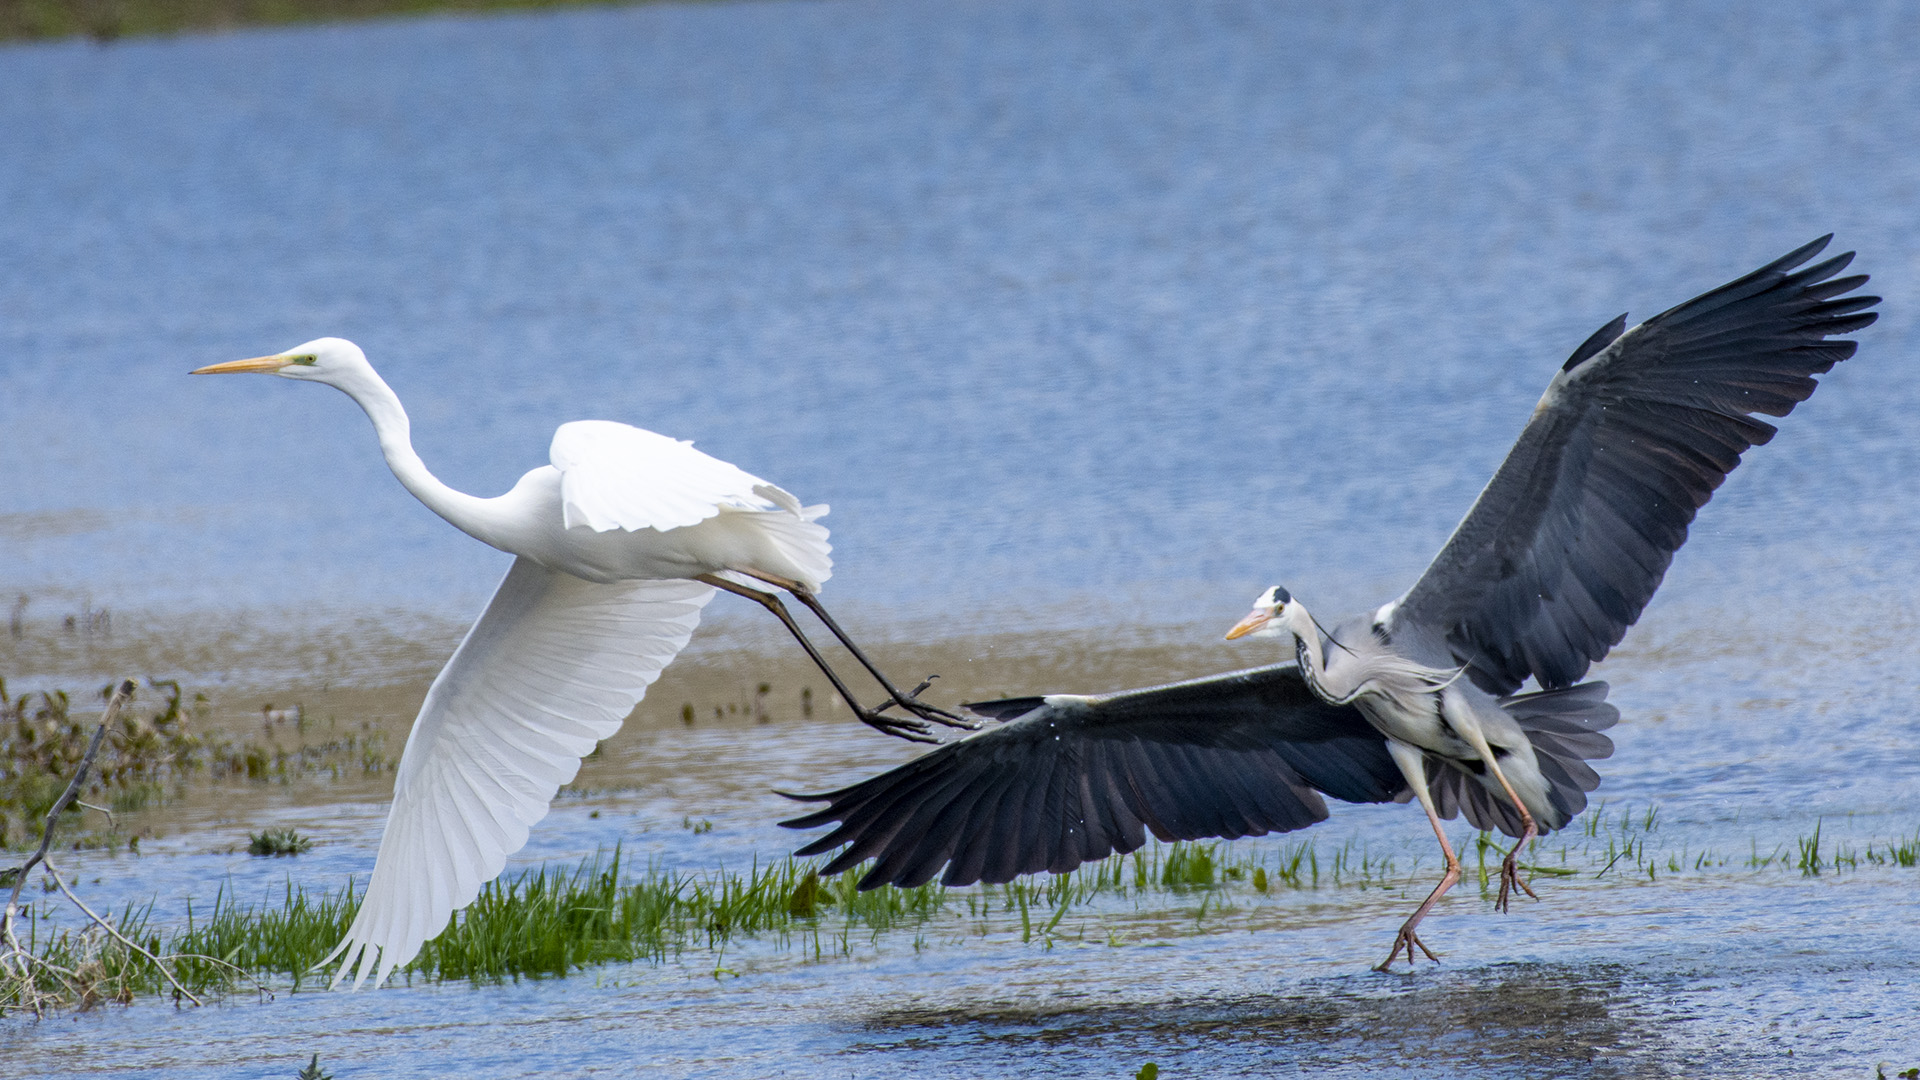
(1328, 634)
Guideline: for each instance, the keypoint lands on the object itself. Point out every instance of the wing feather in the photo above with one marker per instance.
(552, 667)
(1565, 547)
(1066, 780)
(616, 476)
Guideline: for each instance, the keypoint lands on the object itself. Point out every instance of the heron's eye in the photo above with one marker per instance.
(306, 360)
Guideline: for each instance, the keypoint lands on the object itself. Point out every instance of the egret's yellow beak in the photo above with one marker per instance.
(1255, 619)
(267, 364)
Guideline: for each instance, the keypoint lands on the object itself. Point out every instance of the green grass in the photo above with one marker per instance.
(281, 841)
(555, 920)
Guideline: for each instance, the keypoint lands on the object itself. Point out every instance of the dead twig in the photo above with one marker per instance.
(120, 695)
(15, 955)
(110, 822)
(121, 938)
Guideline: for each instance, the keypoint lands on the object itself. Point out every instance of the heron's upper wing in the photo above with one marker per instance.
(1069, 779)
(616, 476)
(553, 667)
(1570, 538)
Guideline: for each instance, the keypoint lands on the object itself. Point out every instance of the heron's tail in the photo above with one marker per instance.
(1564, 726)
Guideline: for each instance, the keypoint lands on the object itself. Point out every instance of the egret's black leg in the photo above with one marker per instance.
(909, 701)
(898, 727)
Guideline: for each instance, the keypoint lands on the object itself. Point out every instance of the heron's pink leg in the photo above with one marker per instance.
(1414, 769)
(1509, 867)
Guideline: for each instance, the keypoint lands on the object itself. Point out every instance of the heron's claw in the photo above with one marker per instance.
(1408, 940)
(1510, 882)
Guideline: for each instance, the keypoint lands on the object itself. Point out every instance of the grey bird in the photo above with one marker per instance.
(1419, 699)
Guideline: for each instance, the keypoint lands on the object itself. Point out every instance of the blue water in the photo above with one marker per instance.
(1054, 303)
(1079, 313)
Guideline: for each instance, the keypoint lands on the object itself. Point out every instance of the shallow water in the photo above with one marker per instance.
(1089, 320)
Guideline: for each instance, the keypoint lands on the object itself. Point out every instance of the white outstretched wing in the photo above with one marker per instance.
(552, 667)
(615, 476)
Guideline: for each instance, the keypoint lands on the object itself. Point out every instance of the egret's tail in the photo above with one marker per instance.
(796, 535)
(1564, 726)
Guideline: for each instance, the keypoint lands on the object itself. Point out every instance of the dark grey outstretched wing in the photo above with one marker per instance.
(1067, 780)
(1566, 545)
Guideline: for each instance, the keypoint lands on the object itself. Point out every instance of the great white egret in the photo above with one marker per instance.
(619, 544)
(1558, 556)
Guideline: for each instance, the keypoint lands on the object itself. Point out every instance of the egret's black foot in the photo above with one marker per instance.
(1409, 941)
(897, 726)
(911, 702)
(1510, 882)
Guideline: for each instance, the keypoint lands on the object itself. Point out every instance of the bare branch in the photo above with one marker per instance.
(118, 936)
(110, 822)
(120, 695)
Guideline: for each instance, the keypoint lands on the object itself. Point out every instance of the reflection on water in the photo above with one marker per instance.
(1549, 1019)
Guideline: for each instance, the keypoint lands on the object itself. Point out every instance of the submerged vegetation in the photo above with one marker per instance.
(281, 841)
(42, 743)
(105, 20)
(556, 920)
(144, 758)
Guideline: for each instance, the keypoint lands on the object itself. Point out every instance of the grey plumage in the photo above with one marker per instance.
(1569, 540)
(1556, 559)
(1065, 780)
(1564, 728)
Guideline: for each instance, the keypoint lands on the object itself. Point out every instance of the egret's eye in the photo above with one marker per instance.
(305, 360)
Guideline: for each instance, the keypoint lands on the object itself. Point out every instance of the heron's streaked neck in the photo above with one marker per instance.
(1296, 621)
(468, 513)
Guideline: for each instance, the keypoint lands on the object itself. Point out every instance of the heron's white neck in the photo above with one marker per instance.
(468, 513)
(1296, 621)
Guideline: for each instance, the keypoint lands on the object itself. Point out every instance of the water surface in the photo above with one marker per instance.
(1090, 320)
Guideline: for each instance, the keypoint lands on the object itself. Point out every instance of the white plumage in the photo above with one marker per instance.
(597, 603)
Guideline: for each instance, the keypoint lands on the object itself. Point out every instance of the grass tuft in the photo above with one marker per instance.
(281, 841)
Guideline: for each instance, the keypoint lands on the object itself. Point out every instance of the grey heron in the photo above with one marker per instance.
(1419, 698)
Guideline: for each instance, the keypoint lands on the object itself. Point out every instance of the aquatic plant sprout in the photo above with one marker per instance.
(560, 919)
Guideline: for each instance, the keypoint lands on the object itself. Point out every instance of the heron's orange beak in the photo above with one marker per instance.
(1255, 619)
(235, 367)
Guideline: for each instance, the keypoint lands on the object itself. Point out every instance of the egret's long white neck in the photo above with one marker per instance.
(468, 513)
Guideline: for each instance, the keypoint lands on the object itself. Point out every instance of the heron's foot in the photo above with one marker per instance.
(1409, 941)
(897, 726)
(911, 702)
(1510, 882)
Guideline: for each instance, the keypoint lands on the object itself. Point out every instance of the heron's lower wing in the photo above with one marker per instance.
(1067, 780)
(1571, 537)
(554, 665)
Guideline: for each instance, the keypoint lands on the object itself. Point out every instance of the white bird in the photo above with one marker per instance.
(619, 542)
